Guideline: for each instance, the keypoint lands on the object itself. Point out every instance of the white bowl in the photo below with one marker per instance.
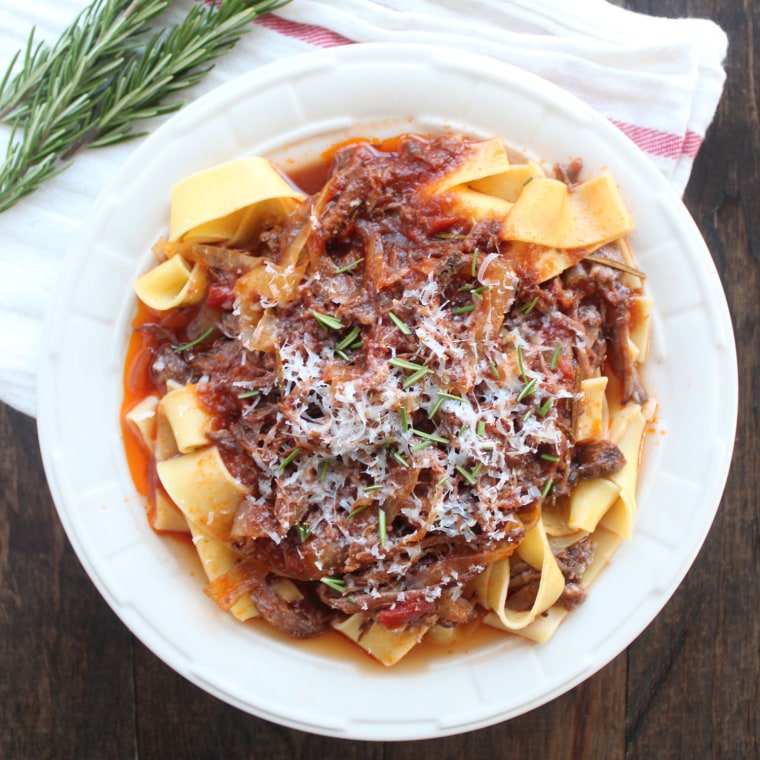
(291, 111)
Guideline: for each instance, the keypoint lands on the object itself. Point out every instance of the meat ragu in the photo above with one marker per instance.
(399, 400)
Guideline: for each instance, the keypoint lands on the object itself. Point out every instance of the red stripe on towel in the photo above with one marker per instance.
(313, 35)
(659, 143)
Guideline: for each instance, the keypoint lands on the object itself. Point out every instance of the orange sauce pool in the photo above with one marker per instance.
(137, 385)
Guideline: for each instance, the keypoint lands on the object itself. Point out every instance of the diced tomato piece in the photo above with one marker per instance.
(405, 613)
(220, 297)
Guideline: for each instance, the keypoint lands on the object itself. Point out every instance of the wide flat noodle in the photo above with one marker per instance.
(592, 421)
(547, 213)
(534, 550)
(188, 420)
(484, 159)
(165, 515)
(217, 559)
(171, 284)
(142, 419)
(227, 203)
(590, 501)
(509, 184)
(627, 432)
(543, 627)
(202, 487)
(386, 646)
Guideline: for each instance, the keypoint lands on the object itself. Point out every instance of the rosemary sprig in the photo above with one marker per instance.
(288, 459)
(109, 69)
(328, 322)
(193, 343)
(337, 584)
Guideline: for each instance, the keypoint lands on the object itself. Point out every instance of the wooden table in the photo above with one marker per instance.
(74, 683)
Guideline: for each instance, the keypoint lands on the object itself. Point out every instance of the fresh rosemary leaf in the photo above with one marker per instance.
(112, 67)
(400, 323)
(288, 459)
(193, 343)
(337, 584)
(328, 322)
(349, 267)
(382, 526)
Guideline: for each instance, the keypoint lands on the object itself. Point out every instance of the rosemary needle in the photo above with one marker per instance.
(110, 69)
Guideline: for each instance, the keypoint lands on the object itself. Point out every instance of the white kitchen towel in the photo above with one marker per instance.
(659, 80)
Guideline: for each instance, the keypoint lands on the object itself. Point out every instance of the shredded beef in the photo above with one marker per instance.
(596, 459)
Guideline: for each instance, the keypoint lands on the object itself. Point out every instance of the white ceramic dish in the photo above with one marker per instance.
(291, 111)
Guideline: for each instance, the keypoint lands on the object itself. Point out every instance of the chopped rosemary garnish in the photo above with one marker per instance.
(451, 396)
(248, 394)
(405, 364)
(481, 428)
(527, 415)
(521, 365)
(404, 419)
(464, 309)
(418, 375)
(436, 407)
(349, 267)
(343, 355)
(429, 436)
(545, 407)
(471, 476)
(288, 459)
(494, 368)
(487, 447)
(356, 511)
(399, 457)
(555, 356)
(529, 180)
(547, 487)
(419, 446)
(399, 323)
(528, 307)
(323, 470)
(528, 390)
(382, 526)
(474, 265)
(328, 322)
(357, 344)
(303, 531)
(336, 584)
(474, 289)
(549, 458)
(441, 482)
(348, 339)
(195, 342)
(369, 489)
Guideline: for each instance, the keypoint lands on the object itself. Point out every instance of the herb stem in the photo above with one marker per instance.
(110, 68)
(193, 343)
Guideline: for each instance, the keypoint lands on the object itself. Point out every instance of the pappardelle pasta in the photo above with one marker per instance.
(402, 403)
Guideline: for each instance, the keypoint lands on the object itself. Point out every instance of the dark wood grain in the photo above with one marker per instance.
(75, 684)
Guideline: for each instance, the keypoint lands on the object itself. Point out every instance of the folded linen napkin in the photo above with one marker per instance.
(659, 80)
